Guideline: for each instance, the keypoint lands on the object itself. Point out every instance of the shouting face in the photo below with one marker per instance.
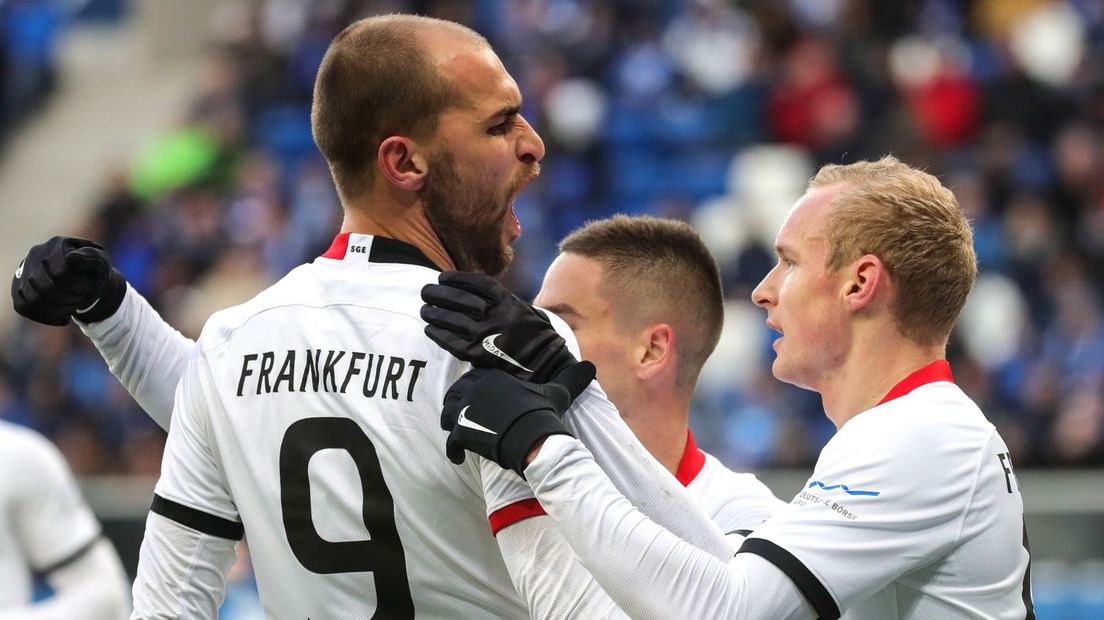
(474, 217)
(484, 154)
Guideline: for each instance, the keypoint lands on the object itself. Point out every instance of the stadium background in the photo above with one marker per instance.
(178, 136)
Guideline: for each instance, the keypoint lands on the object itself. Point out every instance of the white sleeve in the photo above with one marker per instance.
(542, 566)
(181, 571)
(92, 586)
(648, 571)
(192, 489)
(548, 576)
(144, 352)
(633, 470)
(193, 526)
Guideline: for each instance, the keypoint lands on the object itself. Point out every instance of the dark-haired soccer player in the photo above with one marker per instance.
(306, 417)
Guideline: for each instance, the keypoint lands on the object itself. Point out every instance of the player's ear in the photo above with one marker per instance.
(657, 351)
(865, 280)
(402, 162)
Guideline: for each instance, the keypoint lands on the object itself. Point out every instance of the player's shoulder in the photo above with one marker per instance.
(713, 467)
(21, 440)
(27, 450)
(902, 438)
(391, 288)
(299, 284)
(720, 478)
(735, 501)
(937, 412)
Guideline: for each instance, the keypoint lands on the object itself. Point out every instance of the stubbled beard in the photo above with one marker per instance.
(468, 217)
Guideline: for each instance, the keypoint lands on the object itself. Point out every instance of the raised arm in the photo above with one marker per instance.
(70, 278)
(144, 352)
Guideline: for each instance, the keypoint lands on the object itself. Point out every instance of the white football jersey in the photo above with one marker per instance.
(912, 511)
(309, 420)
(737, 502)
(44, 521)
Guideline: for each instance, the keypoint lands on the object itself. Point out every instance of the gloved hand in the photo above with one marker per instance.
(478, 320)
(67, 277)
(501, 417)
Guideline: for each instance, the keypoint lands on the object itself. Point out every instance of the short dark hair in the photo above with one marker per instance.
(658, 271)
(375, 81)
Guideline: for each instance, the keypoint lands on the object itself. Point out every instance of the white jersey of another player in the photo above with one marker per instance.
(47, 529)
(914, 501)
(737, 502)
(308, 419)
(913, 511)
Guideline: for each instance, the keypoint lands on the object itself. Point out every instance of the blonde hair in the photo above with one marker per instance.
(658, 271)
(913, 224)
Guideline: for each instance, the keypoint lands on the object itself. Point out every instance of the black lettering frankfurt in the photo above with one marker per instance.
(329, 377)
(245, 370)
(394, 371)
(311, 372)
(268, 359)
(287, 373)
(382, 376)
(415, 367)
(372, 376)
(353, 370)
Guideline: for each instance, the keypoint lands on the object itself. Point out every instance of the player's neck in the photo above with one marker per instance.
(874, 366)
(661, 425)
(402, 221)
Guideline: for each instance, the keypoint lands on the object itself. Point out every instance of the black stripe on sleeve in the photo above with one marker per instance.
(197, 519)
(803, 578)
(744, 533)
(69, 559)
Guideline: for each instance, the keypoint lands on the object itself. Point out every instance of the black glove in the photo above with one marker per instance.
(501, 417)
(67, 277)
(480, 321)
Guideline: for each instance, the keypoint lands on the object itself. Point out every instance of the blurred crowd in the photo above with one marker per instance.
(713, 111)
(29, 31)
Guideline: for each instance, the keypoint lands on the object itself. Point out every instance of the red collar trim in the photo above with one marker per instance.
(339, 247)
(693, 460)
(938, 370)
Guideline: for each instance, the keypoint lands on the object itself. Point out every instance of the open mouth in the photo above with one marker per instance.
(516, 221)
(522, 183)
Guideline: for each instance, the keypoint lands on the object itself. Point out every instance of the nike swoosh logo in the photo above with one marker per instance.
(19, 270)
(490, 347)
(466, 423)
